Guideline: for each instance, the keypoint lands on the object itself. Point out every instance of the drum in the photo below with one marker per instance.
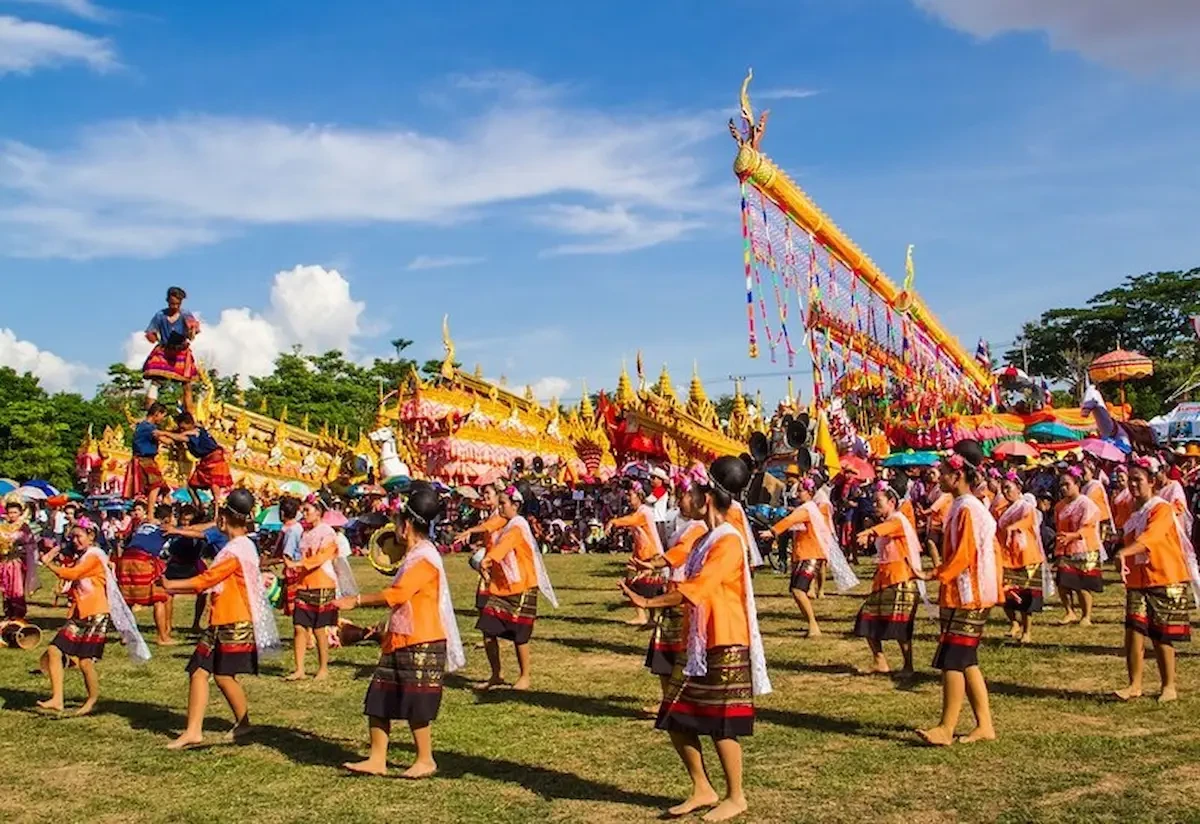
(19, 635)
(273, 589)
(477, 558)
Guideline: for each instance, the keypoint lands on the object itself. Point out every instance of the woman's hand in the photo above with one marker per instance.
(635, 599)
(863, 539)
(346, 602)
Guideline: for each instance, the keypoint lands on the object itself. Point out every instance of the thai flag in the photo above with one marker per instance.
(983, 355)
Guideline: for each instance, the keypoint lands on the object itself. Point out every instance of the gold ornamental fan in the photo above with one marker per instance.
(384, 550)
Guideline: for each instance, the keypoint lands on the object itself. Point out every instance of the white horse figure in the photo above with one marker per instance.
(389, 459)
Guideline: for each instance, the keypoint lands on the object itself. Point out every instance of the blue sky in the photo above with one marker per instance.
(556, 176)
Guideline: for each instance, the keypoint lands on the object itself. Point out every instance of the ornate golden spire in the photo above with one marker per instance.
(696, 393)
(585, 405)
(739, 403)
(664, 388)
(529, 393)
(304, 422)
(448, 363)
(478, 372)
(624, 389)
(791, 393)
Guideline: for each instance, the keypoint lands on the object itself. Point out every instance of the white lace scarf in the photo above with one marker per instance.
(1137, 524)
(266, 633)
(843, 576)
(677, 536)
(648, 525)
(1015, 512)
(697, 652)
(512, 570)
(339, 568)
(118, 610)
(1076, 513)
(984, 527)
(755, 556)
(912, 549)
(400, 621)
(1173, 494)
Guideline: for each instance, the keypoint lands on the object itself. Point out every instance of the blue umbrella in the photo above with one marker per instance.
(911, 458)
(181, 495)
(45, 487)
(269, 518)
(1050, 432)
(7, 485)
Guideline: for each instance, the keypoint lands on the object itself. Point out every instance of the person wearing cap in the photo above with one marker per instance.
(140, 568)
(316, 589)
(241, 625)
(18, 559)
(646, 545)
(419, 645)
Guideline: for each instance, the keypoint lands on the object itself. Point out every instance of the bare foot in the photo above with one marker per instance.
(521, 684)
(1167, 695)
(633, 622)
(937, 737)
(1014, 631)
(1129, 693)
(649, 711)
(1085, 622)
(167, 642)
(185, 742)
(489, 685)
(978, 734)
(295, 676)
(85, 709)
(420, 770)
(814, 632)
(727, 809)
(1026, 639)
(322, 675)
(1070, 618)
(697, 801)
(367, 767)
(51, 704)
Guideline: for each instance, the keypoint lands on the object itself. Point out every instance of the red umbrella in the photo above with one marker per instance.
(1015, 449)
(862, 468)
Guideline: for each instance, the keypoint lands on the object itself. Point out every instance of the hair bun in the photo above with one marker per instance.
(425, 504)
(970, 450)
(730, 473)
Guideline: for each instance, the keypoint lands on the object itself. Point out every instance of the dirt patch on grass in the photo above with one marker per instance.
(1108, 785)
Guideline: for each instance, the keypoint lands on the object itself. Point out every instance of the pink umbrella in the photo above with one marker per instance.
(1103, 450)
(334, 519)
(1014, 449)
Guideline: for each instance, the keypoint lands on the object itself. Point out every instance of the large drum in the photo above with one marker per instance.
(19, 635)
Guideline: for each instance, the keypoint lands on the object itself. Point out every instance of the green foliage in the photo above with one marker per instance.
(1147, 313)
(724, 406)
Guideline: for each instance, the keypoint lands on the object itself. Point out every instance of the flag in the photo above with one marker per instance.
(824, 444)
(910, 271)
(983, 354)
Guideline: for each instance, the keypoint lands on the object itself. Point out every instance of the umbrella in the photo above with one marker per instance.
(467, 493)
(1051, 432)
(860, 466)
(1103, 450)
(45, 487)
(396, 483)
(1120, 365)
(32, 493)
(72, 495)
(372, 520)
(7, 485)
(333, 518)
(297, 488)
(181, 496)
(1014, 449)
(911, 458)
(366, 490)
(269, 518)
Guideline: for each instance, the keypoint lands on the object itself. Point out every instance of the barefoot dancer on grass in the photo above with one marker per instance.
(241, 625)
(646, 546)
(1158, 565)
(420, 643)
(890, 611)
(712, 688)
(1079, 552)
(969, 578)
(96, 602)
(1028, 579)
(171, 330)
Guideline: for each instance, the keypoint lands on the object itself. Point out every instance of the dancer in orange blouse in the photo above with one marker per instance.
(241, 625)
(646, 546)
(1158, 565)
(1090, 485)
(1027, 578)
(712, 689)
(889, 612)
(488, 529)
(323, 575)
(935, 517)
(969, 578)
(1079, 552)
(419, 644)
(1122, 500)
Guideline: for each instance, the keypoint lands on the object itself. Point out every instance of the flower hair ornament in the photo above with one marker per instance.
(956, 462)
(514, 494)
(1075, 472)
(808, 484)
(1012, 477)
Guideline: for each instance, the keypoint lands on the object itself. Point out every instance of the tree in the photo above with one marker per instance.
(1148, 313)
(724, 407)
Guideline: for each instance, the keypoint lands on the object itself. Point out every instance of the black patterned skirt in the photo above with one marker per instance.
(510, 617)
(226, 649)
(804, 573)
(1023, 589)
(1081, 573)
(407, 685)
(481, 596)
(314, 609)
(1162, 614)
(83, 637)
(888, 614)
(720, 704)
(958, 645)
(666, 641)
(647, 586)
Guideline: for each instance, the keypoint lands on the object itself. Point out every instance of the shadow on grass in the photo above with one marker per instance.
(595, 645)
(826, 723)
(1008, 688)
(576, 704)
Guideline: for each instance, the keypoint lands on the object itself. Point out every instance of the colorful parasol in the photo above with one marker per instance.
(297, 488)
(1120, 365)
(366, 491)
(397, 483)
(1051, 432)
(269, 518)
(861, 467)
(32, 493)
(7, 485)
(911, 458)
(50, 490)
(1015, 449)
(334, 519)
(182, 496)
(1103, 450)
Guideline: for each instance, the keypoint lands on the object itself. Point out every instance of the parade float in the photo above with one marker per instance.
(458, 427)
(263, 452)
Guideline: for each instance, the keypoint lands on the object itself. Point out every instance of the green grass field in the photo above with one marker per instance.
(830, 745)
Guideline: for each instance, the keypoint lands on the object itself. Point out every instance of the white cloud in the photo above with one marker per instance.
(85, 9)
(421, 262)
(196, 178)
(785, 94)
(1141, 35)
(615, 229)
(544, 389)
(310, 306)
(55, 373)
(26, 45)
